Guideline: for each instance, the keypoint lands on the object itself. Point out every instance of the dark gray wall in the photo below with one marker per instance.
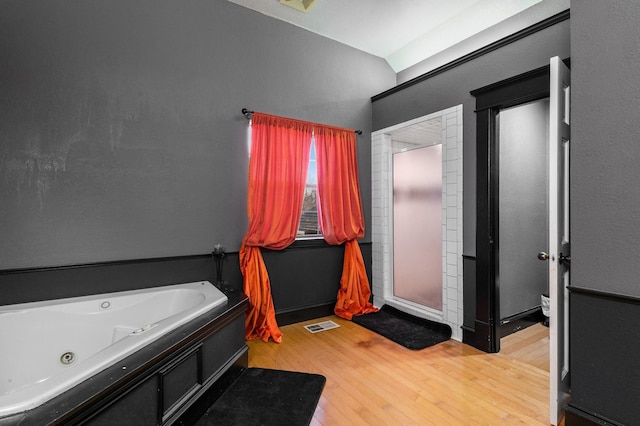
(605, 171)
(523, 134)
(605, 212)
(453, 87)
(121, 132)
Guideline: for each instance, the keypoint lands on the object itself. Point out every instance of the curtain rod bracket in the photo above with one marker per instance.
(247, 113)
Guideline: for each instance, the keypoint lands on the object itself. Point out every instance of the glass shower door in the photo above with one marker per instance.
(417, 226)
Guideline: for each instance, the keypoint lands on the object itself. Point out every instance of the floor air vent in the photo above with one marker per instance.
(321, 326)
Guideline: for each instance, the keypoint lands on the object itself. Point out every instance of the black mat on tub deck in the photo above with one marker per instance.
(267, 398)
(405, 329)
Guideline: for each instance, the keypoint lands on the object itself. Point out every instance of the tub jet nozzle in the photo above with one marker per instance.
(67, 358)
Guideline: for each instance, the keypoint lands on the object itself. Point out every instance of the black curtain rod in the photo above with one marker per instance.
(247, 113)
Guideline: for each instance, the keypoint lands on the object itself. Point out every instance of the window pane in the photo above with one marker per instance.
(309, 217)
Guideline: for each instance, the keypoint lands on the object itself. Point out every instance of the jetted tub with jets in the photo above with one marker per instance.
(51, 346)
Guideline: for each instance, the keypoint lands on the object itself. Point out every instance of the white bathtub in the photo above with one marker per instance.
(49, 347)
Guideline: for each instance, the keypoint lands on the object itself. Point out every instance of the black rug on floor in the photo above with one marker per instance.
(405, 329)
(267, 397)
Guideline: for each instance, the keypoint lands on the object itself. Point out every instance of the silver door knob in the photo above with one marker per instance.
(543, 256)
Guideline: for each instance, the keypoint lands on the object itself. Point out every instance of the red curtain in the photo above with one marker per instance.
(340, 215)
(277, 177)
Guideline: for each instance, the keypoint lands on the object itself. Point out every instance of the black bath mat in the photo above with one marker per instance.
(409, 331)
(267, 398)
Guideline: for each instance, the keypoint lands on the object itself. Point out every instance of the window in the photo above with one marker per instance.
(309, 226)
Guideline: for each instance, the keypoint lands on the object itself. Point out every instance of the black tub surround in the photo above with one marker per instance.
(159, 383)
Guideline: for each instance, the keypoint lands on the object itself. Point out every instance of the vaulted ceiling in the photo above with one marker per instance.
(403, 32)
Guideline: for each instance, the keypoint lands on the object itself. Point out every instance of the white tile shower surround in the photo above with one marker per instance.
(382, 198)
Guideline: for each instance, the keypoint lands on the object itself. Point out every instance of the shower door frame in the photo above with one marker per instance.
(382, 223)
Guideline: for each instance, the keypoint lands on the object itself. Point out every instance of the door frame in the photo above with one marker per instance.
(517, 90)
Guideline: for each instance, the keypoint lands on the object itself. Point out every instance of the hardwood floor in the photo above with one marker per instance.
(373, 381)
(530, 345)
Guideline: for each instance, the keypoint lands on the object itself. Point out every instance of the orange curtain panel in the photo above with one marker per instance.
(340, 215)
(277, 176)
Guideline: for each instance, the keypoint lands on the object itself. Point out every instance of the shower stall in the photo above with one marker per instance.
(417, 217)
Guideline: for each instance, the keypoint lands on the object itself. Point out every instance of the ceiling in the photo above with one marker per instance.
(423, 133)
(403, 32)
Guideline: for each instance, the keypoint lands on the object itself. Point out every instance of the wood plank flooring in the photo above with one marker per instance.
(530, 345)
(373, 381)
